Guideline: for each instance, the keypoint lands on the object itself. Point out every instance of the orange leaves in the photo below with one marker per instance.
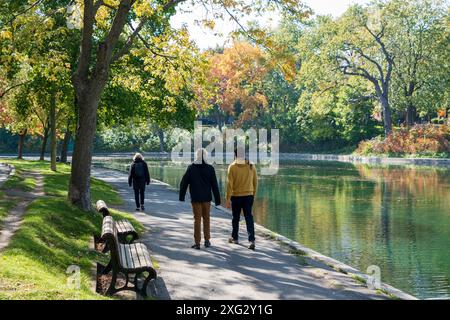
(420, 139)
(238, 73)
(442, 113)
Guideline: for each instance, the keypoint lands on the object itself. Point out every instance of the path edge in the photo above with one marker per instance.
(316, 256)
(12, 172)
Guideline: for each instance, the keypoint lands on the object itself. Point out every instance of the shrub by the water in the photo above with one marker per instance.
(423, 140)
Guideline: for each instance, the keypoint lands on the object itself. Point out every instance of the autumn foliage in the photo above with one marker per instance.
(425, 139)
(239, 72)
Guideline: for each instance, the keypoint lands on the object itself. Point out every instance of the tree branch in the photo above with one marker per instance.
(373, 61)
(152, 49)
(22, 12)
(82, 71)
(378, 38)
(126, 48)
(362, 72)
(171, 4)
(106, 47)
(13, 87)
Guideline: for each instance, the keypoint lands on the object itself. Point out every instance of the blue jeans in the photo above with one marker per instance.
(238, 204)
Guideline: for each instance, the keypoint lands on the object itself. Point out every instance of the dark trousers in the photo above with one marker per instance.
(139, 192)
(238, 204)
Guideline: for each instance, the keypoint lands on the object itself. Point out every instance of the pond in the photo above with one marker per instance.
(397, 218)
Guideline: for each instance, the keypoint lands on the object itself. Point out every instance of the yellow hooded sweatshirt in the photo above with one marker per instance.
(242, 179)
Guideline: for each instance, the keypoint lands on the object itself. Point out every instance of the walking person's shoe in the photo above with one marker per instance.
(196, 246)
(137, 209)
(142, 208)
(207, 244)
(232, 240)
(252, 245)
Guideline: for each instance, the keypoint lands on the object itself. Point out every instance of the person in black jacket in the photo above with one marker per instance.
(201, 179)
(139, 177)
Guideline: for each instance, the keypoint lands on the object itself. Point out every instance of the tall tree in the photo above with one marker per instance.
(420, 76)
(101, 49)
(363, 50)
(37, 54)
(238, 73)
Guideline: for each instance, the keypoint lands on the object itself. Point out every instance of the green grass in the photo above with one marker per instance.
(5, 206)
(28, 165)
(53, 236)
(20, 181)
(56, 183)
(390, 295)
(359, 279)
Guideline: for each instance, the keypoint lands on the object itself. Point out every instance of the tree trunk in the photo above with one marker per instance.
(53, 134)
(88, 89)
(22, 136)
(387, 116)
(161, 139)
(79, 186)
(44, 143)
(65, 145)
(411, 114)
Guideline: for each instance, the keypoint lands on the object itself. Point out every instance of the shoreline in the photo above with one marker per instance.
(309, 253)
(355, 159)
(328, 261)
(370, 160)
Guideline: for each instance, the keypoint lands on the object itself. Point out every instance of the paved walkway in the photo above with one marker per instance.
(223, 271)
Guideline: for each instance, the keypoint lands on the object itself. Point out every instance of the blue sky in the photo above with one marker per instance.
(207, 38)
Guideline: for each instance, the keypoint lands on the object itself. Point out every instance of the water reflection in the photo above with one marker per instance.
(395, 217)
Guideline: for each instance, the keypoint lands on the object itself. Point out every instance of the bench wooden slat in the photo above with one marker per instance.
(124, 226)
(123, 229)
(143, 254)
(125, 260)
(135, 256)
(102, 208)
(128, 259)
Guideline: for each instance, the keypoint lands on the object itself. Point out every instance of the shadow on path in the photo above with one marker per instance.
(224, 271)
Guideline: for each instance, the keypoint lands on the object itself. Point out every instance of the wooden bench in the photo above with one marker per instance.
(127, 259)
(124, 228)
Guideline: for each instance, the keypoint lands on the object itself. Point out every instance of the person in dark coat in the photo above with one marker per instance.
(201, 179)
(138, 177)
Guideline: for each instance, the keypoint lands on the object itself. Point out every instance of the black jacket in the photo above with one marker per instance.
(138, 182)
(201, 179)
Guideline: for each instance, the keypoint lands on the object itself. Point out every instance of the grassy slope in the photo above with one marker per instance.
(20, 181)
(5, 206)
(53, 236)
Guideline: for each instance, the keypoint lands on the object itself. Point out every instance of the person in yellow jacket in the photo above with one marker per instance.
(242, 183)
